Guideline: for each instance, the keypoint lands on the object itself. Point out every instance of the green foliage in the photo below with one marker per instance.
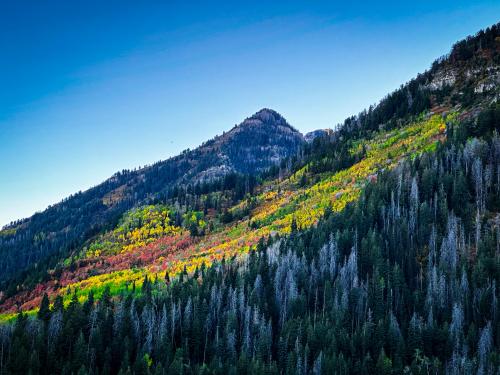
(137, 228)
(194, 222)
(391, 266)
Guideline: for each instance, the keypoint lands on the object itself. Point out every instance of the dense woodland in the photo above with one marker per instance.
(403, 280)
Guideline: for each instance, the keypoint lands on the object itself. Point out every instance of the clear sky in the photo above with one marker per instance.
(88, 88)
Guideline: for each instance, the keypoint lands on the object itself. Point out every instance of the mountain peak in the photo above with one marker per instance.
(269, 117)
(266, 114)
(261, 140)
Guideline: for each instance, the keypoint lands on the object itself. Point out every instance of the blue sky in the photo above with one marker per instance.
(91, 87)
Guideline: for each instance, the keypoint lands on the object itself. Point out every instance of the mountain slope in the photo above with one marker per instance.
(274, 207)
(375, 250)
(258, 143)
(331, 174)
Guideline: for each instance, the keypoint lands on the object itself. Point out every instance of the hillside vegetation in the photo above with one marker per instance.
(29, 246)
(372, 249)
(145, 242)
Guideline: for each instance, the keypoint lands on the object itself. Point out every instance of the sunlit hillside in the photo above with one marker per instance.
(370, 248)
(146, 242)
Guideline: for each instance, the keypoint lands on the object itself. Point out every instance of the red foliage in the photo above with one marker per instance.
(166, 247)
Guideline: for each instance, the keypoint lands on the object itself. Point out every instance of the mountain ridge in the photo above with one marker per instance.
(373, 250)
(108, 200)
(266, 133)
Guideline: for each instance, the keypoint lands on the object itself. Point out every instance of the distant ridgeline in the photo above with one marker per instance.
(374, 248)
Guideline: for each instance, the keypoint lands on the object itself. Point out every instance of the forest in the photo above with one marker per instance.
(403, 280)
(375, 250)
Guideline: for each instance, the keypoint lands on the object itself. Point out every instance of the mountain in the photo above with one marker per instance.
(374, 250)
(259, 142)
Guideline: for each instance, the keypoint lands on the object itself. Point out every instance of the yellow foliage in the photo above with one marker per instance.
(275, 207)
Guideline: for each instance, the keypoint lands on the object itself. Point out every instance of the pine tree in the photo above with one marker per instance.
(44, 311)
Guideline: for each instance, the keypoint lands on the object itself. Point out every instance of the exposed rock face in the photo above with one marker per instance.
(311, 136)
(442, 79)
(256, 144)
(483, 79)
(260, 141)
(489, 81)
